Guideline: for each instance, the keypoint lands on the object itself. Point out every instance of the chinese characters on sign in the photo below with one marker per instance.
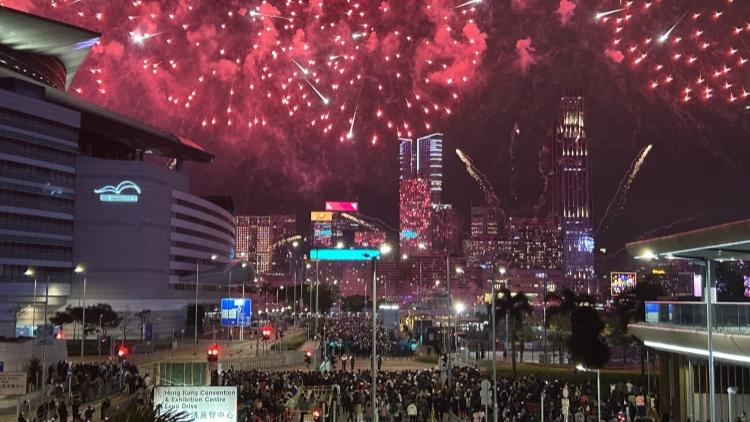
(12, 383)
(200, 403)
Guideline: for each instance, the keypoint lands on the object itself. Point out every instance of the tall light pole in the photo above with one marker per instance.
(79, 269)
(383, 250)
(598, 389)
(459, 309)
(294, 281)
(494, 344)
(419, 292)
(197, 279)
(546, 359)
(29, 273)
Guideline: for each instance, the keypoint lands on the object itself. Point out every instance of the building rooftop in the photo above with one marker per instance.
(36, 35)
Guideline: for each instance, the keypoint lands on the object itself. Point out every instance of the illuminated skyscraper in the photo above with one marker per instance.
(283, 228)
(254, 241)
(444, 228)
(535, 244)
(414, 216)
(486, 221)
(424, 162)
(570, 190)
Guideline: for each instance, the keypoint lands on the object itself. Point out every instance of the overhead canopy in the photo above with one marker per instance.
(36, 35)
(234, 273)
(729, 241)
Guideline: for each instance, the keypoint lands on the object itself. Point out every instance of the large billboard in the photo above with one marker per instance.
(342, 206)
(200, 403)
(321, 216)
(619, 282)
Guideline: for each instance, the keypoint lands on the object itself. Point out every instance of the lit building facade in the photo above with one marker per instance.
(254, 241)
(444, 228)
(423, 159)
(415, 216)
(570, 190)
(535, 244)
(486, 221)
(283, 229)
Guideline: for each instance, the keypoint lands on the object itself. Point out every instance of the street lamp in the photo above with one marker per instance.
(197, 279)
(29, 273)
(459, 309)
(385, 249)
(295, 244)
(419, 293)
(598, 388)
(79, 269)
(494, 342)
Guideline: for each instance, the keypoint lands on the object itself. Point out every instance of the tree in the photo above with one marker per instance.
(34, 372)
(74, 314)
(144, 318)
(527, 331)
(15, 312)
(566, 302)
(513, 307)
(355, 303)
(649, 289)
(558, 340)
(585, 343)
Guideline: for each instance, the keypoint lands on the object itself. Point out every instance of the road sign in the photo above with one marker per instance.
(45, 335)
(485, 392)
(235, 312)
(149, 335)
(2, 366)
(12, 383)
(201, 404)
(565, 406)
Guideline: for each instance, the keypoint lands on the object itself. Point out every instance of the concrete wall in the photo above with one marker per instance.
(701, 409)
(17, 353)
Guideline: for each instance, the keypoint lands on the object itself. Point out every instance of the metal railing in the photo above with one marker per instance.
(273, 360)
(728, 316)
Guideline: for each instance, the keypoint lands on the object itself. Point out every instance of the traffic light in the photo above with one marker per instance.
(213, 354)
(308, 357)
(60, 335)
(267, 332)
(316, 414)
(122, 353)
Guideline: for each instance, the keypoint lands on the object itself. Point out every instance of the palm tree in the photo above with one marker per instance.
(513, 307)
(566, 302)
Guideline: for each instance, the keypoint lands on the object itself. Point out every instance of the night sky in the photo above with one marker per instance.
(526, 52)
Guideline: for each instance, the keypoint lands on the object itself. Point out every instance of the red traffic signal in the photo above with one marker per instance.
(267, 332)
(213, 354)
(316, 413)
(122, 352)
(59, 335)
(309, 353)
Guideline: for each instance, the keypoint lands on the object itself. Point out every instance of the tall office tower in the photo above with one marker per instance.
(254, 241)
(424, 162)
(535, 244)
(414, 216)
(486, 221)
(445, 229)
(283, 228)
(570, 190)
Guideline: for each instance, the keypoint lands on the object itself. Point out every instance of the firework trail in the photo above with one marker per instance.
(359, 221)
(280, 65)
(484, 184)
(382, 223)
(619, 200)
(543, 171)
(674, 223)
(513, 164)
(287, 240)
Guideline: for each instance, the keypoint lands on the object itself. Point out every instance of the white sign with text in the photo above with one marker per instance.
(199, 403)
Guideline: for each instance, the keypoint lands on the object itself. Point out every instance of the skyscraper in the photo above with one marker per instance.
(424, 161)
(486, 221)
(414, 216)
(283, 228)
(445, 228)
(254, 241)
(570, 190)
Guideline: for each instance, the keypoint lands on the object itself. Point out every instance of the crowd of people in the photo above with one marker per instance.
(421, 395)
(87, 381)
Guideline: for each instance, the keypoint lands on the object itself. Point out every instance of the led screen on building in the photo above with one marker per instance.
(342, 206)
(619, 282)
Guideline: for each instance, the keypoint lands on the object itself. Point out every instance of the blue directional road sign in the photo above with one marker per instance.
(235, 312)
(344, 254)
